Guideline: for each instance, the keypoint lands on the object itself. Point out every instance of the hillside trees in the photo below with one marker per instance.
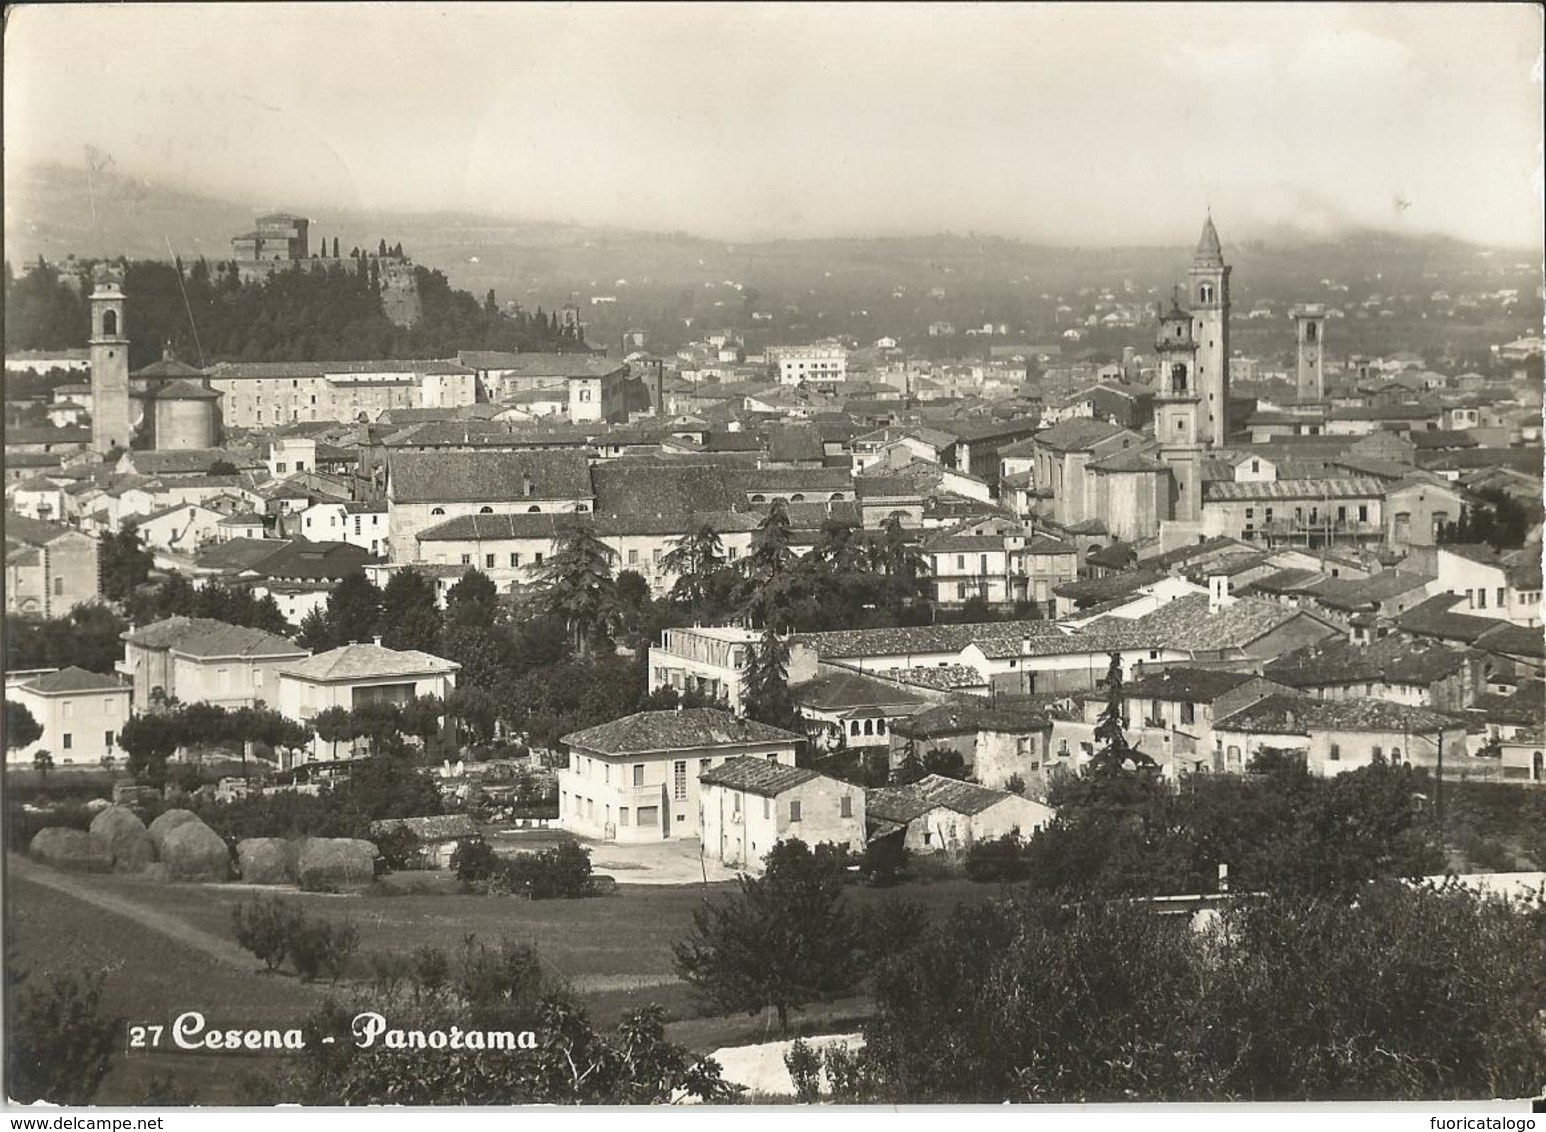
(1286, 998)
(21, 729)
(579, 584)
(784, 940)
(409, 618)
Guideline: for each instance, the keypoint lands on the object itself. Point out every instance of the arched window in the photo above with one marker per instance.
(1178, 378)
(853, 727)
(437, 510)
(534, 510)
(1205, 293)
(759, 499)
(109, 324)
(485, 510)
(869, 727)
(1537, 768)
(880, 727)
(837, 497)
(1309, 332)
(797, 498)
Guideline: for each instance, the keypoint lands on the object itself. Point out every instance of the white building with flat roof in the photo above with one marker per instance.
(825, 361)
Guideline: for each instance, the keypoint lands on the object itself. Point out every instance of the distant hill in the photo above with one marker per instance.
(675, 284)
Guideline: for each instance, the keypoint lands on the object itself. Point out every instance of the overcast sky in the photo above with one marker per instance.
(1107, 123)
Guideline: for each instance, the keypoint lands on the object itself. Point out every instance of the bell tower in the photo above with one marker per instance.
(1208, 282)
(1178, 411)
(110, 421)
(1310, 340)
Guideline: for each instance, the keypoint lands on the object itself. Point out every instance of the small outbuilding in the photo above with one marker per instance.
(943, 814)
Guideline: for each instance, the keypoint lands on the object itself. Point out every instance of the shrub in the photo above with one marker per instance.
(1001, 859)
(804, 1065)
(431, 971)
(473, 860)
(399, 848)
(884, 860)
(319, 947)
(60, 1044)
(274, 931)
(562, 871)
(265, 928)
(388, 971)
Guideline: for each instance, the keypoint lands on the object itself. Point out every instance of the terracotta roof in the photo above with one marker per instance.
(498, 476)
(1187, 622)
(905, 803)
(1396, 659)
(440, 827)
(1299, 715)
(687, 729)
(1436, 618)
(1077, 434)
(1188, 685)
(763, 777)
(1349, 487)
(967, 718)
(74, 679)
(169, 367)
(909, 639)
(1130, 460)
(836, 690)
(942, 678)
(361, 662)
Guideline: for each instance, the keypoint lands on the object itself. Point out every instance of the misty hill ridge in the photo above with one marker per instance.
(57, 210)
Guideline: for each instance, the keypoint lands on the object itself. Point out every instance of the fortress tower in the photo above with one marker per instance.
(1310, 337)
(1208, 284)
(110, 421)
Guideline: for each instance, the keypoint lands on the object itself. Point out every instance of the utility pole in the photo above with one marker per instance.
(1438, 788)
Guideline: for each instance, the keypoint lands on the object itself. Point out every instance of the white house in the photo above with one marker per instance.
(748, 805)
(636, 778)
(200, 660)
(359, 674)
(82, 714)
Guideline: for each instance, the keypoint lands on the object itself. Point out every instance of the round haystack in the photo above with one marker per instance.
(167, 822)
(121, 839)
(263, 860)
(193, 851)
(336, 862)
(64, 848)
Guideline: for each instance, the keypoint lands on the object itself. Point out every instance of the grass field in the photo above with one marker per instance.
(615, 951)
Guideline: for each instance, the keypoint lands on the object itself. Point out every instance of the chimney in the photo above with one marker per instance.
(1218, 592)
(376, 641)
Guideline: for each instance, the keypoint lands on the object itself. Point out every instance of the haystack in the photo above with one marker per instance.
(193, 851)
(336, 862)
(167, 822)
(64, 848)
(121, 839)
(262, 860)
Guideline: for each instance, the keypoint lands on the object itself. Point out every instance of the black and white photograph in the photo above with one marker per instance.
(742, 556)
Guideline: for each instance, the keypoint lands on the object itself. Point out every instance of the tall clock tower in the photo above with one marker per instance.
(1208, 283)
(110, 421)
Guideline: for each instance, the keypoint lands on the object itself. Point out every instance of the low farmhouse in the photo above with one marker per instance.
(1341, 735)
(748, 805)
(938, 814)
(436, 836)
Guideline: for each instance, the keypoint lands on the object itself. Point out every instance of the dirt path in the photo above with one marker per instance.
(221, 950)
